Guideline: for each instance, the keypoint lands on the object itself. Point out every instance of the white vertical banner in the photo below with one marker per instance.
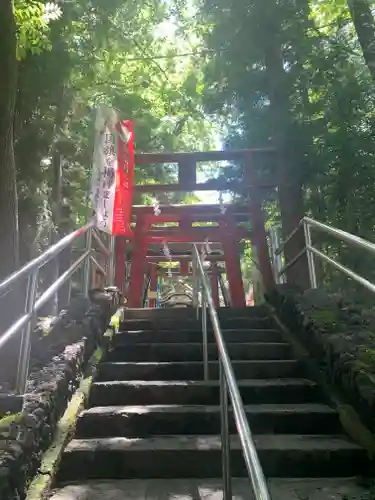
(104, 180)
(113, 172)
(104, 169)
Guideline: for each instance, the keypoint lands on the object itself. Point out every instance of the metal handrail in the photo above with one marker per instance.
(33, 304)
(228, 384)
(102, 248)
(307, 223)
(98, 266)
(146, 284)
(44, 258)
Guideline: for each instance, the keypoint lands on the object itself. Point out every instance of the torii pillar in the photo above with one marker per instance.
(232, 262)
(185, 226)
(120, 262)
(139, 264)
(259, 235)
(153, 286)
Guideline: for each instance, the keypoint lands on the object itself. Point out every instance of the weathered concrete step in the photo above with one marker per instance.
(212, 489)
(151, 314)
(200, 457)
(193, 370)
(10, 403)
(173, 313)
(253, 391)
(193, 324)
(239, 335)
(147, 420)
(193, 351)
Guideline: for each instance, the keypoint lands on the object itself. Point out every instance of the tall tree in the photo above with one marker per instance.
(290, 75)
(363, 20)
(256, 71)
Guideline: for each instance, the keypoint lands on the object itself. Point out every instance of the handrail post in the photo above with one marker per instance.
(25, 347)
(87, 268)
(228, 384)
(310, 256)
(274, 239)
(272, 249)
(278, 257)
(225, 437)
(111, 270)
(195, 284)
(204, 332)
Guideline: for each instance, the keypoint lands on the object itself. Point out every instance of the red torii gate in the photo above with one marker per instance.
(225, 231)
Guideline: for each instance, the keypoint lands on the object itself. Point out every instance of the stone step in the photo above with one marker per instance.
(200, 457)
(10, 403)
(250, 312)
(193, 351)
(151, 314)
(144, 421)
(212, 489)
(193, 324)
(253, 391)
(193, 370)
(185, 313)
(170, 336)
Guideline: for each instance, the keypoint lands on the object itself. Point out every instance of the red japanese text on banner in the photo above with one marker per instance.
(124, 179)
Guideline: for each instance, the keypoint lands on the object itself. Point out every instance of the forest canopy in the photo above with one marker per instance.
(295, 75)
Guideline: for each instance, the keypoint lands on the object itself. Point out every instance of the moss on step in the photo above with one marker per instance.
(349, 418)
(115, 322)
(39, 488)
(97, 356)
(340, 337)
(8, 420)
(325, 316)
(366, 360)
(353, 426)
(65, 429)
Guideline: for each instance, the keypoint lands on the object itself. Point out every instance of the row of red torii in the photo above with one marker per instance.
(223, 224)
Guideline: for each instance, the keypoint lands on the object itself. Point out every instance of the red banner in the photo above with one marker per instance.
(123, 201)
(113, 174)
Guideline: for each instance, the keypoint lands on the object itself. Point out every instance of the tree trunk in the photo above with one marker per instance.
(290, 189)
(12, 303)
(360, 11)
(8, 193)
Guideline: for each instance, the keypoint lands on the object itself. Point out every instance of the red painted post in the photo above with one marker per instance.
(153, 286)
(185, 226)
(260, 243)
(138, 264)
(215, 284)
(259, 236)
(120, 262)
(232, 263)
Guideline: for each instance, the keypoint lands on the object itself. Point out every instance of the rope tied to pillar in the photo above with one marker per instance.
(168, 256)
(206, 249)
(207, 245)
(156, 205)
(223, 208)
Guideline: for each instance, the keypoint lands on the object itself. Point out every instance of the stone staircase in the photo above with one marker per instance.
(152, 428)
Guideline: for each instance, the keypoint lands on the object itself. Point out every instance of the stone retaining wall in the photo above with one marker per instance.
(51, 385)
(340, 337)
